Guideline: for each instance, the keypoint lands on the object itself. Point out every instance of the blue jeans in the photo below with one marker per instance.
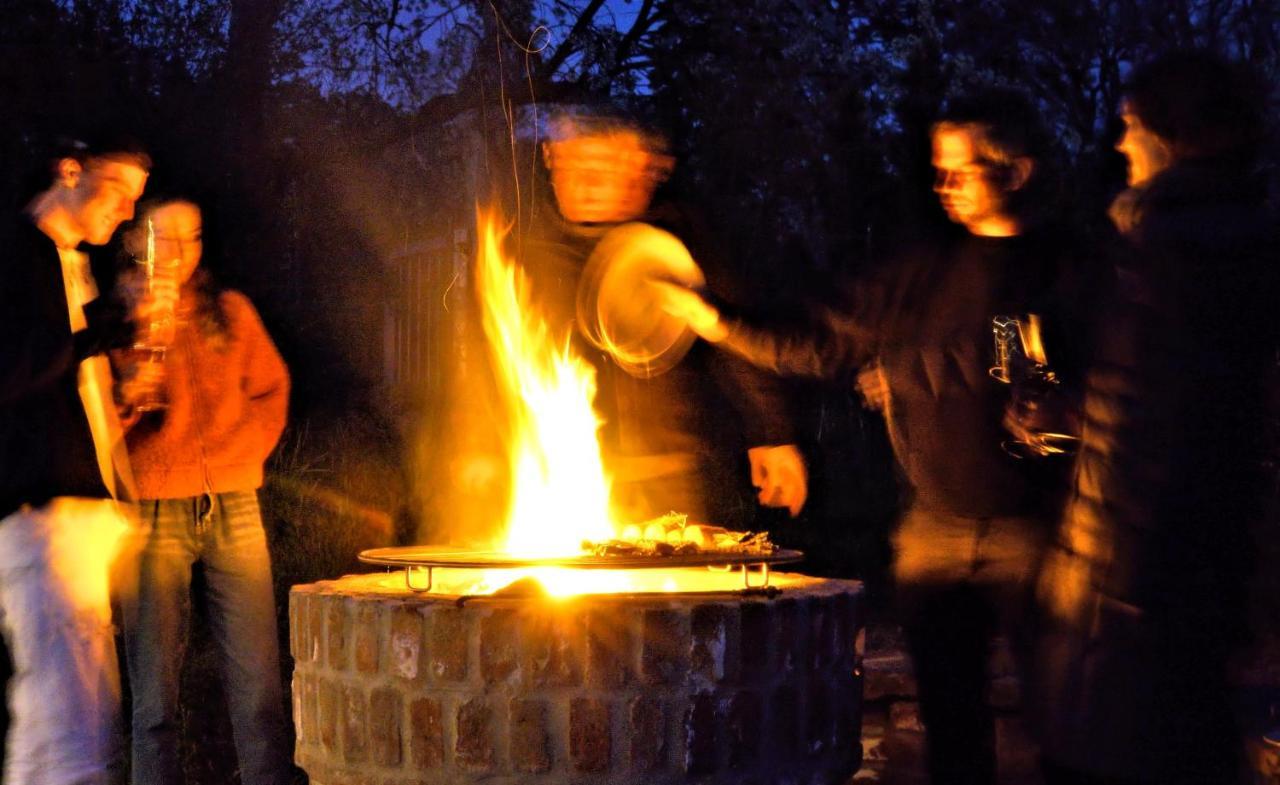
(223, 532)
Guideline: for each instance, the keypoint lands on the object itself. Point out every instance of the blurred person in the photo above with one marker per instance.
(917, 340)
(198, 463)
(64, 472)
(660, 437)
(1144, 587)
(673, 441)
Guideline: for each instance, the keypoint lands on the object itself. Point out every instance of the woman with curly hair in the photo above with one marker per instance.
(198, 461)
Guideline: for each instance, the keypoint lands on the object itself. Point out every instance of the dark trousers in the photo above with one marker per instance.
(960, 581)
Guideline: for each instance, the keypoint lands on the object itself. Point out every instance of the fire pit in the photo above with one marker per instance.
(585, 647)
(396, 685)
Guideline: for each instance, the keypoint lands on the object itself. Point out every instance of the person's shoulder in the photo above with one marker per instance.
(237, 306)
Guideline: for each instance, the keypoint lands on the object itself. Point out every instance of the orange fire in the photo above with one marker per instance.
(560, 491)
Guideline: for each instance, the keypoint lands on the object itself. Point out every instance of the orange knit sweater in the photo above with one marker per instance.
(226, 409)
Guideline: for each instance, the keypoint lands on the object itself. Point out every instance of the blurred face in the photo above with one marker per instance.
(963, 182)
(1147, 153)
(605, 178)
(103, 193)
(178, 229)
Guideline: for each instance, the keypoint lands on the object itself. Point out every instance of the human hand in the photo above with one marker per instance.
(152, 301)
(688, 306)
(779, 473)
(873, 385)
(477, 473)
(143, 381)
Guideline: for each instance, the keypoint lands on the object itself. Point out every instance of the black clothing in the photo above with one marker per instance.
(46, 448)
(1144, 588)
(709, 406)
(978, 517)
(928, 323)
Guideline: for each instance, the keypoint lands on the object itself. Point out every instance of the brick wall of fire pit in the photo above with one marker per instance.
(392, 688)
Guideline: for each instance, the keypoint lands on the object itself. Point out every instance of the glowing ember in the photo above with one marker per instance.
(560, 493)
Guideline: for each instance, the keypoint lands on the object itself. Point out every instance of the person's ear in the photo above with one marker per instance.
(68, 172)
(1020, 173)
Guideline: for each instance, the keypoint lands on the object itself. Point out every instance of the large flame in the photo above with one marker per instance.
(560, 493)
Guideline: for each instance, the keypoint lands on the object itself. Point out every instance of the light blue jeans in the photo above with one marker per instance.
(224, 533)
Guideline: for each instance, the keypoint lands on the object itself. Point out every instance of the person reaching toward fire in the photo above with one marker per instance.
(918, 341)
(665, 414)
(198, 450)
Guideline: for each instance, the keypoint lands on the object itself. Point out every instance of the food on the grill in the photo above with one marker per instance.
(672, 534)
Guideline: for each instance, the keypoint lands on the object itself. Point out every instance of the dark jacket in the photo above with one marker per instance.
(928, 322)
(1143, 591)
(697, 405)
(46, 448)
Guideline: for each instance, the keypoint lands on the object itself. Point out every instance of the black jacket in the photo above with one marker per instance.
(46, 448)
(706, 400)
(928, 321)
(1143, 590)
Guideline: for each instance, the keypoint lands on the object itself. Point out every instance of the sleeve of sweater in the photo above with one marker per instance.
(265, 377)
(831, 345)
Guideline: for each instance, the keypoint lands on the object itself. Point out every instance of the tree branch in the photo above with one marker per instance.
(563, 51)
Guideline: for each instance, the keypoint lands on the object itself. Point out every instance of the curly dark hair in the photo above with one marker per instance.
(1201, 104)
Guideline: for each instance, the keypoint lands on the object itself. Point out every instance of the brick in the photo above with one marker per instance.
(530, 744)
(355, 718)
(754, 640)
(785, 723)
(315, 627)
(366, 637)
(821, 633)
(385, 709)
(448, 644)
(744, 728)
(590, 742)
(404, 643)
(818, 716)
(844, 612)
(708, 652)
(609, 645)
(789, 622)
(648, 734)
(426, 734)
(336, 632)
(298, 627)
(328, 707)
(551, 648)
(663, 653)
(304, 691)
(473, 749)
(700, 726)
(499, 657)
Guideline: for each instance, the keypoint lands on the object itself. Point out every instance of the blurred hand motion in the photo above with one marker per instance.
(687, 305)
(780, 475)
(873, 386)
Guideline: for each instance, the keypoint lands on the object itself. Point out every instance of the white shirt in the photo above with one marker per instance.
(95, 380)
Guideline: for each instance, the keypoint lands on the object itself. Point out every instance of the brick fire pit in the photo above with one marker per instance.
(392, 687)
